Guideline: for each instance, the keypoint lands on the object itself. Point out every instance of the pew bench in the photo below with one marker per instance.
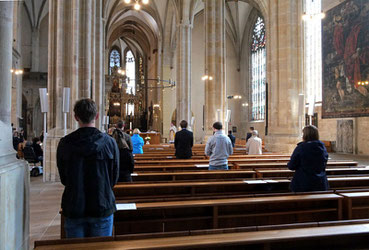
(192, 175)
(167, 216)
(326, 235)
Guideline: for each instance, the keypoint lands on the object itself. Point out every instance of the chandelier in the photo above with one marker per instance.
(119, 73)
(137, 5)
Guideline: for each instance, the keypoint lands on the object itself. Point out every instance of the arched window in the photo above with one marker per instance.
(258, 71)
(313, 51)
(114, 59)
(130, 72)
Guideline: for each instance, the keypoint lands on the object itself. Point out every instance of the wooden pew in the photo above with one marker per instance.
(167, 216)
(326, 235)
(267, 173)
(203, 164)
(192, 175)
(356, 204)
(180, 189)
(239, 161)
(234, 174)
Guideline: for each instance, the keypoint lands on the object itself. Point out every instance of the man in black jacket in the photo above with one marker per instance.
(183, 142)
(88, 164)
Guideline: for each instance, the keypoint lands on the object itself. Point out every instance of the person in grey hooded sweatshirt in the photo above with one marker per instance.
(218, 148)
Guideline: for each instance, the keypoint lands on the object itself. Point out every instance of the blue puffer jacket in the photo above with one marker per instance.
(309, 160)
(137, 143)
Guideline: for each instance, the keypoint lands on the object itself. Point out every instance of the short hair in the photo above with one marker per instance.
(136, 131)
(35, 140)
(217, 125)
(255, 132)
(85, 110)
(252, 128)
(310, 133)
(229, 131)
(120, 124)
(183, 124)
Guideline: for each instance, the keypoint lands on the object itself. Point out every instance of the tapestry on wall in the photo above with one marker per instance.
(345, 55)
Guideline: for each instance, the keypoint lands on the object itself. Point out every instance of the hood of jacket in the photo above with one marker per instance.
(87, 141)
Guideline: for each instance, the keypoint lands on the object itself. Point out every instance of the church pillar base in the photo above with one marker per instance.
(14, 203)
(50, 169)
(281, 143)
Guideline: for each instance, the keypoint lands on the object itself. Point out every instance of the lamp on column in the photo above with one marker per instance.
(66, 102)
(44, 109)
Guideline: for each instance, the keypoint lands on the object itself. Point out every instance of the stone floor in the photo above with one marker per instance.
(46, 198)
(44, 205)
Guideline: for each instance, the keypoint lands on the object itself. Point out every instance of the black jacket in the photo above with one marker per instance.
(309, 160)
(37, 148)
(183, 143)
(233, 139)
(88, 164)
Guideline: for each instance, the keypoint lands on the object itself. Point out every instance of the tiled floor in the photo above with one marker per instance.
(46, 198)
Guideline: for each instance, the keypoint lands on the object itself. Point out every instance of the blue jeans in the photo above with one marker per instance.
(220, 167)
(88, 227)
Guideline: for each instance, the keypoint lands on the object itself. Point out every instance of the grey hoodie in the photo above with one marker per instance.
(218, 147)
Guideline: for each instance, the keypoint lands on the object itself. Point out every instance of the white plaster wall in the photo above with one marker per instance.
(198, 69)
(44, 39)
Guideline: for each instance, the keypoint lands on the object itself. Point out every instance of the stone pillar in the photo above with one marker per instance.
(71, 49)
(35, 66)
(215, 90)
(184, 40)
(284, 74)
(14, 174)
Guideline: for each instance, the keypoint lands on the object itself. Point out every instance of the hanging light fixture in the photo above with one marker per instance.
(137, 4)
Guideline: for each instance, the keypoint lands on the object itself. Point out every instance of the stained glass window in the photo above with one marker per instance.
(258, 71)
(131, 73)
(114, 59)
(313, 51)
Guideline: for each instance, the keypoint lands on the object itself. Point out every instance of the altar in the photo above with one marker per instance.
(155, 137)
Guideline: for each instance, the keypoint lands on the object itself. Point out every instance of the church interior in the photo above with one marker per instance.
(273, 65)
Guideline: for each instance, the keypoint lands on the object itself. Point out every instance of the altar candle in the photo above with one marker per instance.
(130, 125)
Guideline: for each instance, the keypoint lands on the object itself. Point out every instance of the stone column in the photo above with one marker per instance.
(35, 49)
(71, 49)
(14, 174)
(284, 74)
(184, 40)
(215, 90)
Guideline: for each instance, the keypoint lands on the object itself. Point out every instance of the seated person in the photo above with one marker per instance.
(37, 149)
(309, 160)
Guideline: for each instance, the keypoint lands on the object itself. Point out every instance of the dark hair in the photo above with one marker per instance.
(183, 124)
(230, 132)
(252, 128)
(120, 124)
(85, 110)
(217, 125)
(310, 133)
(35, 140)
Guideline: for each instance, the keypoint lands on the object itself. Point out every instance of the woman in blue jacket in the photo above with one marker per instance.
(309, 160)
(137, 142)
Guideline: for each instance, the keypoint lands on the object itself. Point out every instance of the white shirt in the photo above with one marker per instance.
(254, 146)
